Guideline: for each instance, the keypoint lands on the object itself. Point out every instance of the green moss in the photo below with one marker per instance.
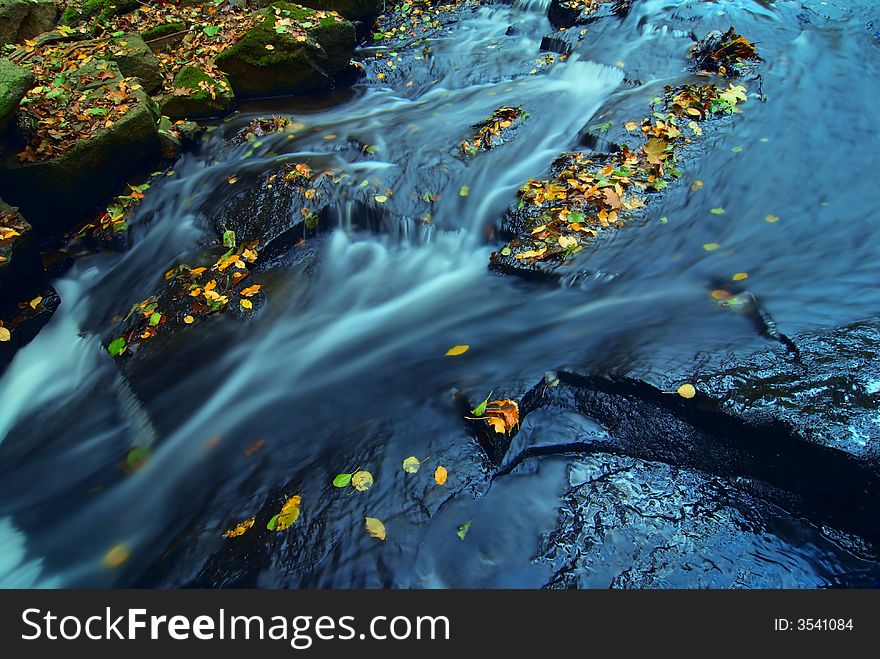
(189, 78)
(162, 31)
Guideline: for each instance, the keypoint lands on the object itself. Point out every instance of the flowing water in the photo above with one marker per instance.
(344, 368)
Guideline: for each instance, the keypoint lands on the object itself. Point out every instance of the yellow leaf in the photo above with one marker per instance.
(739, 276)
(289, 514)
(375, 527)
(189, 320)
(411, 464)
(5, 335)
(36, 302)
(532, 254)
(686, 391)
(362, 481)
(631, 125)
(455, 351)
(567, 241)
(440, 475)
(116, 556)
(246, 304)
(498, 424)
(696, 185)
(251, 290)
(772, 219)
(270, 46)
(240, 529)
(711, 247)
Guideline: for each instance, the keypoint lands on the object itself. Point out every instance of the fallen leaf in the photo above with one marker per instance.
(686, 391)
(411, 465)
(35, 302)
(375, 527)
(440, 475)
(464, 191)
(480, 409)
(116, 347)
(463, 530)
(342, 480)
(380, 198)
(717, 211)
(711, 247)
(696, 185)
(189, 320)
(288, 515)
(772, 219)
(270, 46)
(455, 351)
(253, 448)
(362, 481)
(5, 334)
(116, 556)
(503, 415)
(250, 290)
(246, 304)
(240, 529)
(739, 276)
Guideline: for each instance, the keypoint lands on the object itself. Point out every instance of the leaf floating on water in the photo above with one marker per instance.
(288, 515)
(464, 191)
(717, 211)
(5, 334)
(772, 219)
(686, 391)
(375, 527)
(342, 480)
(631, 125)
(711, 247)
(411, 465)
(116, 556)
(362, 481)
(463, 530)
(137, 458)
(455, 351)
(696, 185)
(440, 475)
(241, 528)
(739, 276)
(380, 198)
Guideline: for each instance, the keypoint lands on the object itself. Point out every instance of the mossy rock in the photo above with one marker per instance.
(138, 61)
(14, 84)
(354, 10)
(58, 193)
(265, 63)
(25, 19)
(160, 37)
(100, 10)
(196, 95)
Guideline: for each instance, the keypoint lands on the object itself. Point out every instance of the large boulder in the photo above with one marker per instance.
(14, 84)
(25, 19)
(135, 59)
(100, 10)
(354, 10)
(196, 95)
(293, 50)
(57, 192)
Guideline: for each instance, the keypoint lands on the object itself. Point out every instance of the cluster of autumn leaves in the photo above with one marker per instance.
(208, 290)
(590, 193)
(76, 95)
(492, 130)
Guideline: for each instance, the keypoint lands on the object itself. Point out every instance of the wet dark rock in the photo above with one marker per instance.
(14, 237)
(25, 19)
(629, 523)
(727, 54)
(568, 13)
(24, 318)
(557, 43)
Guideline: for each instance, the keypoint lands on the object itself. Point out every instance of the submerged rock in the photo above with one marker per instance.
(266, 62)
(14, 231)
(196, 95)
